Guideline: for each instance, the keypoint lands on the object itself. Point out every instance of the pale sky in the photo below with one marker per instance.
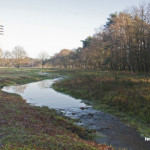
(52, 25)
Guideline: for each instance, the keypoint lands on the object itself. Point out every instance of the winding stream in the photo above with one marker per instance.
(110, 129)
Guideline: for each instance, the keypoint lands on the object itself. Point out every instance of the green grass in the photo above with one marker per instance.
(124, 94)
(26, 127)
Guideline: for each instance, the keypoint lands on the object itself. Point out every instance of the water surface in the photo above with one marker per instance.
(40, 94)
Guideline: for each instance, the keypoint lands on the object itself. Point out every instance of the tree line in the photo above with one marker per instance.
(123, 43)
(18, 58)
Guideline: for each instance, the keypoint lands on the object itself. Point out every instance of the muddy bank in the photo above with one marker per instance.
(110, 129)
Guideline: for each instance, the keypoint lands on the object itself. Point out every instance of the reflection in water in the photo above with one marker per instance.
(17, 89)
(43, 84)
(40, 94)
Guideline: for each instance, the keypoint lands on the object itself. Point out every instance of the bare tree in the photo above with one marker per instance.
(7, 58)
(1, 53)
(43, 56)
(19, 54)
(1, 56)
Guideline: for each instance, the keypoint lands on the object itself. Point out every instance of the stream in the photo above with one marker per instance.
(110, 129)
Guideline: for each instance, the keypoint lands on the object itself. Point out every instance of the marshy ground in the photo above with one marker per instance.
(23, 126)
(123, 94)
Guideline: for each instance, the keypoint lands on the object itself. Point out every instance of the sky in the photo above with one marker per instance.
(52, 25)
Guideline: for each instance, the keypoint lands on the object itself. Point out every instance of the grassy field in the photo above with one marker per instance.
(124, 94)
(26, 127)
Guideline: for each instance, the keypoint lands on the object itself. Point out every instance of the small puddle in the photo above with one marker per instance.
(110, 129)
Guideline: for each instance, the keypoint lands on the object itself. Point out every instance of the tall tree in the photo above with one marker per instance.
(19, 54)
(7, 58)
(123, 44)
(43, 56)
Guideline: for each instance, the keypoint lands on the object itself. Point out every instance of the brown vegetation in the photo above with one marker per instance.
(123, 44)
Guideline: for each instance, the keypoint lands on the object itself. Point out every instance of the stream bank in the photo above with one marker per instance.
(110, 129)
